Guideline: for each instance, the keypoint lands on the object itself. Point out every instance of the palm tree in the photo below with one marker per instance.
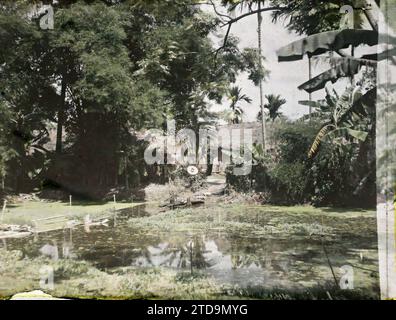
(275, 102)
(236, 96)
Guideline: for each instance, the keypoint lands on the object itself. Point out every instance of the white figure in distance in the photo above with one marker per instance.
(192, 170)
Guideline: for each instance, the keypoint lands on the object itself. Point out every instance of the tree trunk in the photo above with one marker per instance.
(263, 127)
(61, 117)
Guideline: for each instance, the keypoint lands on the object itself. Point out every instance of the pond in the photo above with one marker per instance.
(235, 260)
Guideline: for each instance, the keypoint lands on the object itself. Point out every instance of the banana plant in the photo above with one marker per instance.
(347, 118)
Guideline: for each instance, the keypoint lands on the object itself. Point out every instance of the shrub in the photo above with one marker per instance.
(340, 175)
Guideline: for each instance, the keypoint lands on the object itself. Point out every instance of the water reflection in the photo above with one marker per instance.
(229, 259)
(67, 246)
(4, 244)
(51, 251)
(179, 252)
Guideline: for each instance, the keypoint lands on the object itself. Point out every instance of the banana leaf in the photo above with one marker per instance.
(363, 106)
(328, 41)
(334, 61)
(380, 56)
(312, 104)
(347, 68)
(319, 104)
(357, 134)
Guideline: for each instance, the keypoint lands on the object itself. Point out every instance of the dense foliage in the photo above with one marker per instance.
(75, 99)
(341, 173)
(106, 71)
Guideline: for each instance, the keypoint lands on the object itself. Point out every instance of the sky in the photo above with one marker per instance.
(285, 77)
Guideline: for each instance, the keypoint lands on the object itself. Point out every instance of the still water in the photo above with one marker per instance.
(228, 259)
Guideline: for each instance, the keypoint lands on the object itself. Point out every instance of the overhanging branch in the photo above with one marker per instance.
(231, 21)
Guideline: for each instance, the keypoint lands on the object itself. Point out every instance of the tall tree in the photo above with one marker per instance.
(250, 7)
(107, 70)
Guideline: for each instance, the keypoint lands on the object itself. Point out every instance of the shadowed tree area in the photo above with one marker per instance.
(76, 99)
(107, 70)
(77, 104)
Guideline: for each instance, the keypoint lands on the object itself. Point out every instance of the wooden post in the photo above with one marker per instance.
(4, 209)
(191, 256)
(115, 211)
(114, 208)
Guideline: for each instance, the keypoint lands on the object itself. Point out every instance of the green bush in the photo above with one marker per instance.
(289, 182)
(238, 183)
(289, 177)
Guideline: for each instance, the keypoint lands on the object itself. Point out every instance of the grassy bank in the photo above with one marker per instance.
(73, 279)
(76, 279)
(25, 212)
(259, 221)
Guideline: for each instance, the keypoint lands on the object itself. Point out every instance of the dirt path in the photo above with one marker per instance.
(216, 185)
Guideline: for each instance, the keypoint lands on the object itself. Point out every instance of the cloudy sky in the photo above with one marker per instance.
(284, 78)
